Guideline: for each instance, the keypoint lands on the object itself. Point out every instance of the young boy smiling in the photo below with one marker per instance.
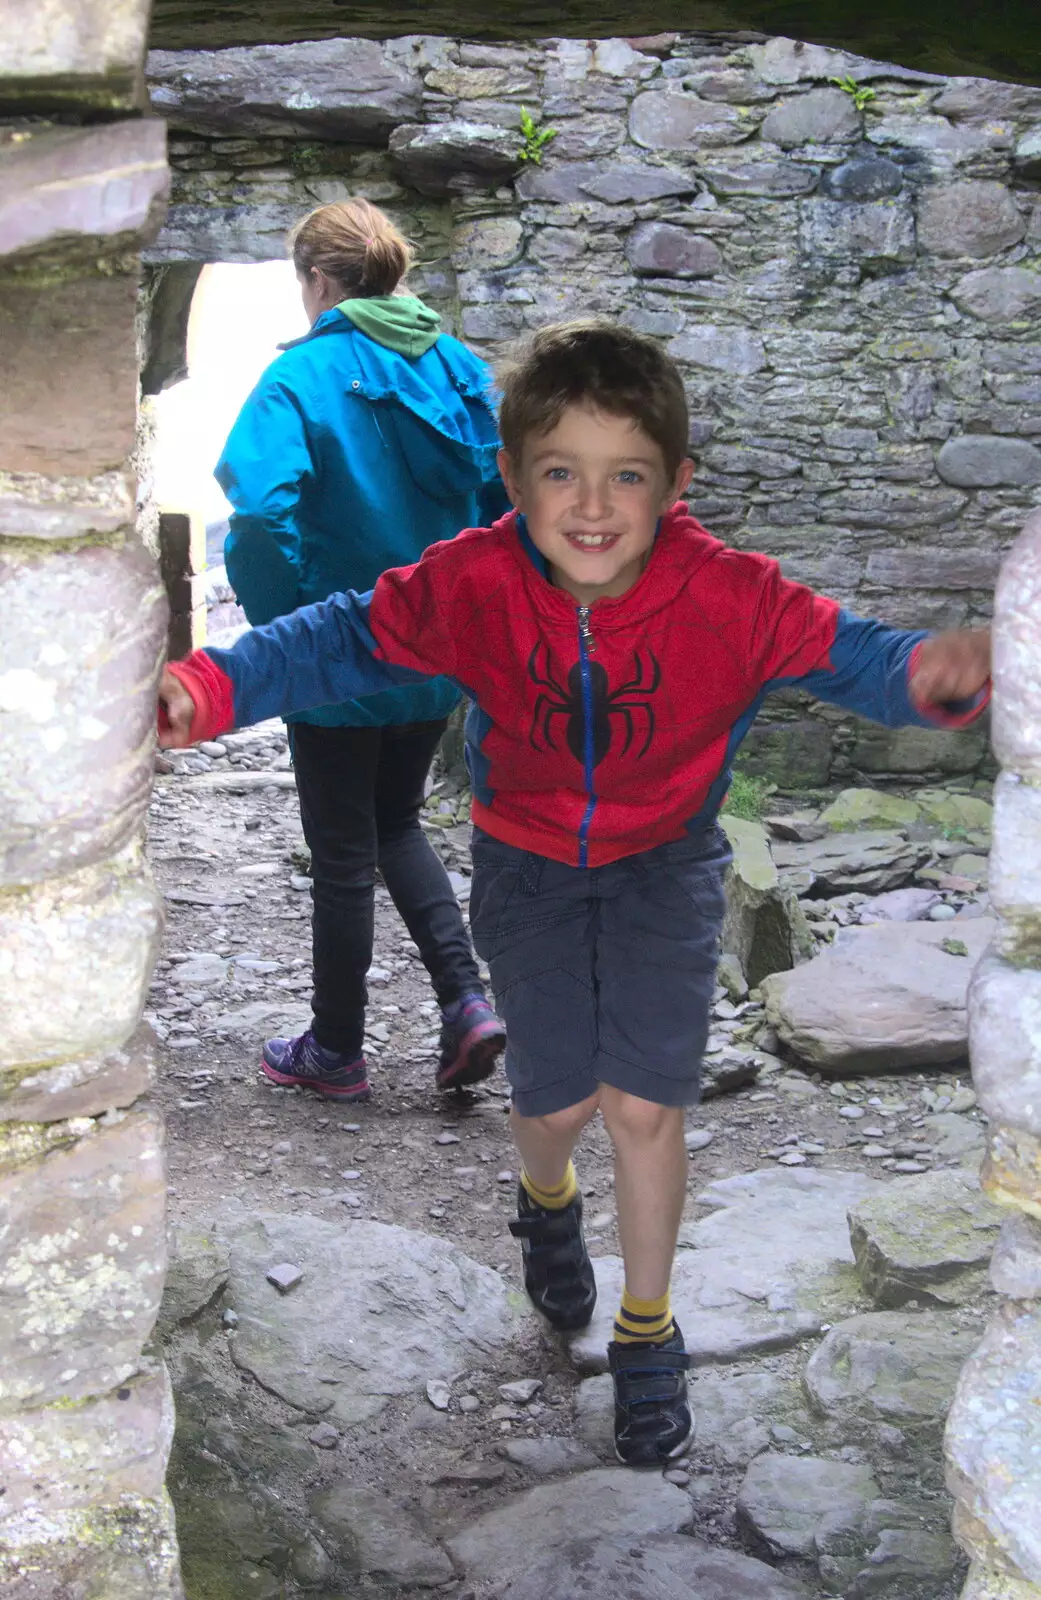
(615, 654)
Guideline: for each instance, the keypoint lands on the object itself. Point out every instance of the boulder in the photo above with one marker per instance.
(664, 1567)
(667, 120)
(794, 755)
(660, 249)
(868, 808)
(339, 89)
(989, 461)
(763, 926)
(606, 1503)
(1015, 1267)
(821, 116)
(890, 1367)
(760, 1273)
(999, 294)
(884, 997)
(197, 1272)
(373, 1536)
(380, 1310)
(786, 1501)
(946, 810)
(993, 1460)
(927, 1238)
(899, 905)
(869, 862)
(452, 158)
(972, 218)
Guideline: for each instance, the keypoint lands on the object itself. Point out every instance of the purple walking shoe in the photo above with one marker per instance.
(303, 1062)
(472, 1040)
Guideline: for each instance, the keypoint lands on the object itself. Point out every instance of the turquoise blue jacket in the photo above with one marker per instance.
(347, 459)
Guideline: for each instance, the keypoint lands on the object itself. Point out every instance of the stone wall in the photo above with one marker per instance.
(849, 278)
(85, 1416)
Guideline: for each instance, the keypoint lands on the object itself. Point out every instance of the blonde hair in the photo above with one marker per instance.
(353, 242)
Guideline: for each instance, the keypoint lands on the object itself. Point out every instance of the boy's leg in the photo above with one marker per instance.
(335, 772)
(650, 1188)
(534, 921)
(656, 960)
(472, 1038)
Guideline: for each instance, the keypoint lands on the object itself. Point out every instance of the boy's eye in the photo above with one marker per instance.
(558, 474)
(630, 475)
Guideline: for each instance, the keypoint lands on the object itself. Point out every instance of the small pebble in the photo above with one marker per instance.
(325, 1436)
(677, 1476)
(909, 1166)
(876, 1152)
(851, 1113)
(350, 1174)
(439, 1394)
(352, 1200)
(211, 747)
(793, 1158)
(469, 1403)
(448, 1138)
(230, 1318)
(873, 1133)
(285, 1276)
(298, 882)
(697, 1139)
(350, 1127)
(521, 1390)
(942, 913)
(504, 1177)
(282, 1148)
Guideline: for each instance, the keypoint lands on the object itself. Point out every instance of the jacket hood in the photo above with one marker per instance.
(399, 321)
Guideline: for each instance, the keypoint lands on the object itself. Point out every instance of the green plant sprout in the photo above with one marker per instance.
(535, 138)
(747, 796)
(859, 93)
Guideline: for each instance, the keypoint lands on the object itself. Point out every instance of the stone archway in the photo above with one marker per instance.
(84, 1418)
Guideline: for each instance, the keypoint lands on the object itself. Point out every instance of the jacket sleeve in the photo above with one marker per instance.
(805, 641)
(264, 468)
(343, 648)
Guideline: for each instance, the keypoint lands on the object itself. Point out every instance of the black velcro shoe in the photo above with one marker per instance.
(652, 1417)
(558, 1273)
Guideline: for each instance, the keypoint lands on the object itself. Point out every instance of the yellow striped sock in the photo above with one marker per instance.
(553, 1199)
(643, 1321)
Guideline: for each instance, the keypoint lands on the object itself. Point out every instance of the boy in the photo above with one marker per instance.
(614, 654)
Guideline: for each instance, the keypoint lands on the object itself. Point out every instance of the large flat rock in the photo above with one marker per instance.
(378, 1312)
(761, 1273)
(606, 1503)
(869, 862)
(669, 1567)
(927, 1239)
(882, 997)
(892, 1367)
(784, 1500)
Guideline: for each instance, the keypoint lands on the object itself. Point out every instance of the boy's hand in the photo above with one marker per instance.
(951, 666)
(180, 712)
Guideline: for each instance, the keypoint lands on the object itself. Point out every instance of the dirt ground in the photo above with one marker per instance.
(442, 1164)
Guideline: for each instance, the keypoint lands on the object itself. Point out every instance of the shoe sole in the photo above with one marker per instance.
(661, 1461)
(326, 1091)
(477, 1058)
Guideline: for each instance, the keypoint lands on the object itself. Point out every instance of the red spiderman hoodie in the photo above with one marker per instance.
(594, 731)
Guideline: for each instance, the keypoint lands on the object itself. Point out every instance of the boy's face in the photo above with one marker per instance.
(592, 490)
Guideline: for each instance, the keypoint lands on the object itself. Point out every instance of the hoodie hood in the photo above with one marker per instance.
(401, 322)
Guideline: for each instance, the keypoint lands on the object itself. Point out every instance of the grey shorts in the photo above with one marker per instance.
(602, 974)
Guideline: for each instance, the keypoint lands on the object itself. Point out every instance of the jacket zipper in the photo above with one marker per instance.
(586, 648)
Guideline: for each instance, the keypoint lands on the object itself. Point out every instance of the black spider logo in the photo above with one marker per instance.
(628, 701)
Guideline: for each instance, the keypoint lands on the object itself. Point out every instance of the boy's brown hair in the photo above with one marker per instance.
(596, 363)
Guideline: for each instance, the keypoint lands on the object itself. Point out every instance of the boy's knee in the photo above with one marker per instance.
(566, 1123)
(634, 1120)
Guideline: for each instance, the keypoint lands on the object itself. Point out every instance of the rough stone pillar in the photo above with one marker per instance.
(993, 1441)
(85, 1417)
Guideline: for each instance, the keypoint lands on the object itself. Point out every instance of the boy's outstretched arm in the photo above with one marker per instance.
(894, 676)
(343, 648)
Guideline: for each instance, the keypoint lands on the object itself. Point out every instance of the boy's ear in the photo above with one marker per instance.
(508, 473)
(681, 482)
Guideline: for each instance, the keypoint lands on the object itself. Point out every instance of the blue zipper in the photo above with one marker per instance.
(586, 647)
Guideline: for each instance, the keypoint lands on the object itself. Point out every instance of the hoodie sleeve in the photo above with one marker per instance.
(344, 648)
(804, 641)
(263, 470)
